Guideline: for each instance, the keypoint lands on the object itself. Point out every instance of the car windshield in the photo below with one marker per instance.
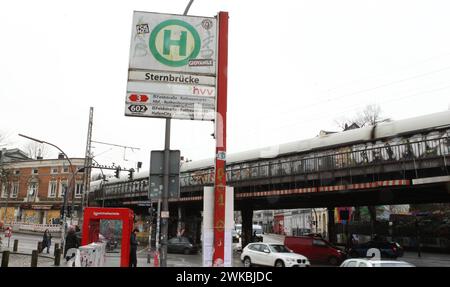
(278, 248)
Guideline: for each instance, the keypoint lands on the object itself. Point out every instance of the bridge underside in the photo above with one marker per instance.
(412, 194)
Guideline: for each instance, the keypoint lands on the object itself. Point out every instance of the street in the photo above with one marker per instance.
(28, 242)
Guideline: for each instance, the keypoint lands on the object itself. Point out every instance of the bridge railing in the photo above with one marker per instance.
(341, 158)
(356, 156)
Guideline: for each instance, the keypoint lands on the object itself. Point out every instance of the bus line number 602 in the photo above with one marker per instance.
(137, 108)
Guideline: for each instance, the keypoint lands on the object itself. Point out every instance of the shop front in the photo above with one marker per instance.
(7, 214)
(40, 214)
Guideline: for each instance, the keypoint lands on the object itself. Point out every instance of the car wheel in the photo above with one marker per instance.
(247, 262)
(186, 251)
(279, 263)
(333, 261)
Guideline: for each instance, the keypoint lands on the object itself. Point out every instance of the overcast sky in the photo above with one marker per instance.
(294, 67)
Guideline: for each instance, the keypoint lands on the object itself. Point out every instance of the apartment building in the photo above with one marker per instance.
(32, 191)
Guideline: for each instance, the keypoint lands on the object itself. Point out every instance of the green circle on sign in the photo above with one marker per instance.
(178, 42)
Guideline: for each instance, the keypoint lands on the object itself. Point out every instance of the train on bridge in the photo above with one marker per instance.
(416, 138)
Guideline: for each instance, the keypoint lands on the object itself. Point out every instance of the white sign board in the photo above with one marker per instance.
(173, 43)
(172, 68)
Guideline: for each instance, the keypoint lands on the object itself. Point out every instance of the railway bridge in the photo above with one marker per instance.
(398, 162)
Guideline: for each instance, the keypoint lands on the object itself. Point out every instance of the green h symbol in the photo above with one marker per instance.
(181, 43)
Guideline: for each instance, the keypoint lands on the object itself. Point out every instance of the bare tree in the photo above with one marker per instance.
(369, 116)
(36, 150)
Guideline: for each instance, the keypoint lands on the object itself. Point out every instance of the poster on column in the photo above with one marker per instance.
(208, 226)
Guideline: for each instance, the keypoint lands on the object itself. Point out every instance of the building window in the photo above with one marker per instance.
(17, 172)
(15, 190)
(4, 191)
(54, 170)
(63, 189)
(32, 191)
(65, 169)
(78, 190)
(52, 189)
(35, 171)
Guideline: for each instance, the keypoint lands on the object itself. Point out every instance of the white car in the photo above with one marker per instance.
(362, 262)
(272, 254)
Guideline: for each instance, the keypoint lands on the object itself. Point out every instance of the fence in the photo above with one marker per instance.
(23, 226)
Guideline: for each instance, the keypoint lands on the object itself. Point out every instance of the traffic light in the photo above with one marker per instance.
(117, 174)
(153, 212)
(130, 174)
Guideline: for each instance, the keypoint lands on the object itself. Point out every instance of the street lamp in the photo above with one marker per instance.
(63, 210)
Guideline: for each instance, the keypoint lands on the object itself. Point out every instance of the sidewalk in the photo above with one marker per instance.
(426, 259)
(24, 260)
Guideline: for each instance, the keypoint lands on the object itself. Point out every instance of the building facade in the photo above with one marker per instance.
(265, 219)
(295, 222)
(33, 190)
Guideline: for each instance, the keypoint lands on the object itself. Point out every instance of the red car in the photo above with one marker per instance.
(315, 249)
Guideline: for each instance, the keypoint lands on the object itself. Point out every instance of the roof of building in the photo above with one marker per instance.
(12, 155)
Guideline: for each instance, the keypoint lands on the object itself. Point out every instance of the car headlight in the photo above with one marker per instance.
(290, 260)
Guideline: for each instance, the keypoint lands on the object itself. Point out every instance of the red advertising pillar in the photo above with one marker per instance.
(221, 128)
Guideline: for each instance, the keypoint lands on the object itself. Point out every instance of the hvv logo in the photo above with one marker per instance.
(203, 91)
(174, 43)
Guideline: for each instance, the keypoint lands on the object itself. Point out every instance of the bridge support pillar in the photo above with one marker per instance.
(247, 226)
(331, 226)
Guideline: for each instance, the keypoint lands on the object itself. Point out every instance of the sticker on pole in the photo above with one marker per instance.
(221, 155)
(165, 214)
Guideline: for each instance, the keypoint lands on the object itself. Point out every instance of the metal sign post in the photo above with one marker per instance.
(173, 75)
(165, 202)
(220, 180)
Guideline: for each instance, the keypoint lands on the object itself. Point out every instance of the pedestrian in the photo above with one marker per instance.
(349, 244)
(133, 248)
(46, 241)
(71, 242)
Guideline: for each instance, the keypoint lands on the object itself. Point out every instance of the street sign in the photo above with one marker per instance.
(157, 162)
(173, 43)
(157, 174)
(173, 106)
(156, 187)
(172, 68)
(138, 98)
(173, 78)
(137, 108)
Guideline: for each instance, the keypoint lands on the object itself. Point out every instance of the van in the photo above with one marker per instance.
(316, 249)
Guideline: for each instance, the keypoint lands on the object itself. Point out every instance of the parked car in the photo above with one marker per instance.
(316, 249)
(181, 244)
(270, 254)
(387, 249)
(362, 262)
